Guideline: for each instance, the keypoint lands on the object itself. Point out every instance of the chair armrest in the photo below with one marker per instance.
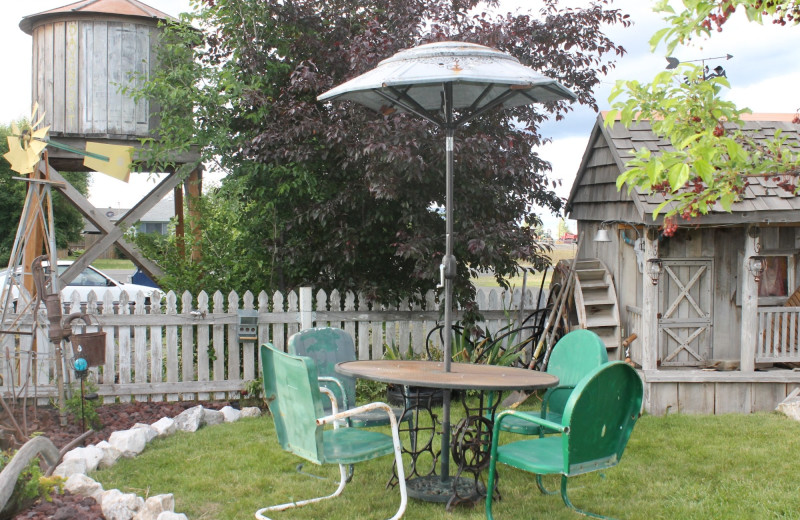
(334, 404)
(550, 425)
(344, 414)
(338, 383)
(549, 393)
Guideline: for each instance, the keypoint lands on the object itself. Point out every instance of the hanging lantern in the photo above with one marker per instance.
(654, 268)
(756, 265)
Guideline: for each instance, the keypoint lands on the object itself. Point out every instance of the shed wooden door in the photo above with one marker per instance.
(685, 311)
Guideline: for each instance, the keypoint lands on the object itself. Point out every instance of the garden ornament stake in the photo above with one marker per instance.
(449, 84)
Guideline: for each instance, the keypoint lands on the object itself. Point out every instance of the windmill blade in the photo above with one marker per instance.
(22, 159)
(25, 148)
(117, 164)
(33, 116)
(17, 156)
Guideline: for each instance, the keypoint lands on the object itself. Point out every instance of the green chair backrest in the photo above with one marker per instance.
(575, 355)
(292, 394)
(601, 413)
(327, 346)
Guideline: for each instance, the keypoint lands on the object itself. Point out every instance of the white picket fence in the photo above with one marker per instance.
(189, 348)
(778, 339)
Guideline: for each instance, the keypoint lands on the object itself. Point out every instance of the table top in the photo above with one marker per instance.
(462, 376)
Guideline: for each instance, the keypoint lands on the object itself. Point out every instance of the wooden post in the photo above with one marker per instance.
(749, 286)
(306, 308)
(179, 227)
(649, 332)
(194, 187)
(34, 242)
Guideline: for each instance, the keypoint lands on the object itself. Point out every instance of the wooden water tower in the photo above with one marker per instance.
(83, 53)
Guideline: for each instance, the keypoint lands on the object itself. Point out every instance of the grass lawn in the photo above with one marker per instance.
(560, 252)
(107, 263)
(113, 263)
(675, 467)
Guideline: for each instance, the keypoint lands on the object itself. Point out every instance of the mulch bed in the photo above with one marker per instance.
(113, 418)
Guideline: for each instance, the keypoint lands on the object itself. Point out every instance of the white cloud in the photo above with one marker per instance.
(773, 94)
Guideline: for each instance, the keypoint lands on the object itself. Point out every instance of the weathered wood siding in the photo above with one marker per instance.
(79, 69)
(723, 246)
(697, 391)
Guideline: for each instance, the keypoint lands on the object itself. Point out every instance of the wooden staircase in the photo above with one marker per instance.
(794, 299)
(596, 303)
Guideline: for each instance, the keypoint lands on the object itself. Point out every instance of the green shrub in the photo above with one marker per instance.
(253, 394)
(86, 411)
(370, 391)
(30, 486)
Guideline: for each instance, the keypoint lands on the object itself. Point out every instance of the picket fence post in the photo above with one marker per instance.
(306, 308)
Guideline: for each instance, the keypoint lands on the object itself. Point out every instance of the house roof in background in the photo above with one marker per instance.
(763, 200)
(161, 212)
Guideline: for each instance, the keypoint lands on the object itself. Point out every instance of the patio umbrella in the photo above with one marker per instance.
(448, 83)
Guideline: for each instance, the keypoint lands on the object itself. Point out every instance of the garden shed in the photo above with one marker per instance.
(717, 330)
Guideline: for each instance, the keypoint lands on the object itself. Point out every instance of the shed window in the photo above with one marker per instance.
(778, 279)
(775, 279)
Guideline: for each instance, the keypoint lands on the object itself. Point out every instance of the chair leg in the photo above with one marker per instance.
(398, 460)
(540, 485)
(490, 485)
(289, 505)
(569, 504)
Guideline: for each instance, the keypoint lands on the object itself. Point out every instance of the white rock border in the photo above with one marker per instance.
(115, 504)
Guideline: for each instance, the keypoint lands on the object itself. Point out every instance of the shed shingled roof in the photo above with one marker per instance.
(763, 200)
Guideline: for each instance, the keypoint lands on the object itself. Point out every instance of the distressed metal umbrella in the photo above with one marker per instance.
(449, 83)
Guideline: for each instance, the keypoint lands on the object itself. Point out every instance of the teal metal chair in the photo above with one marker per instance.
(328, 346)
(292, 393)
(575, 355)
(594, 429)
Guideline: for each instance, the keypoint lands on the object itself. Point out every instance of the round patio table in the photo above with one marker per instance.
(462, 376)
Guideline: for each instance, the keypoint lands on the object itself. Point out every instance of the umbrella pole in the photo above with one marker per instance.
(448, 260)
(449, 275)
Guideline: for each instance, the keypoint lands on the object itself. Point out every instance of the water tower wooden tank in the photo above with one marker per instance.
(82, 54)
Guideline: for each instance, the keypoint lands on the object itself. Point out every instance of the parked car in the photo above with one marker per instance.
(94, 280)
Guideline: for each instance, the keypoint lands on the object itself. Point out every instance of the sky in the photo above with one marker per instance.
(764, 74)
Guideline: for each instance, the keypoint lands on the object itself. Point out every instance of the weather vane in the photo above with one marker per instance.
(717, 72)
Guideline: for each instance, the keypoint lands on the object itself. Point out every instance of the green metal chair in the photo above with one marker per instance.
(595, 427)
(293, 394)
(575, 355)
(328, 346)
